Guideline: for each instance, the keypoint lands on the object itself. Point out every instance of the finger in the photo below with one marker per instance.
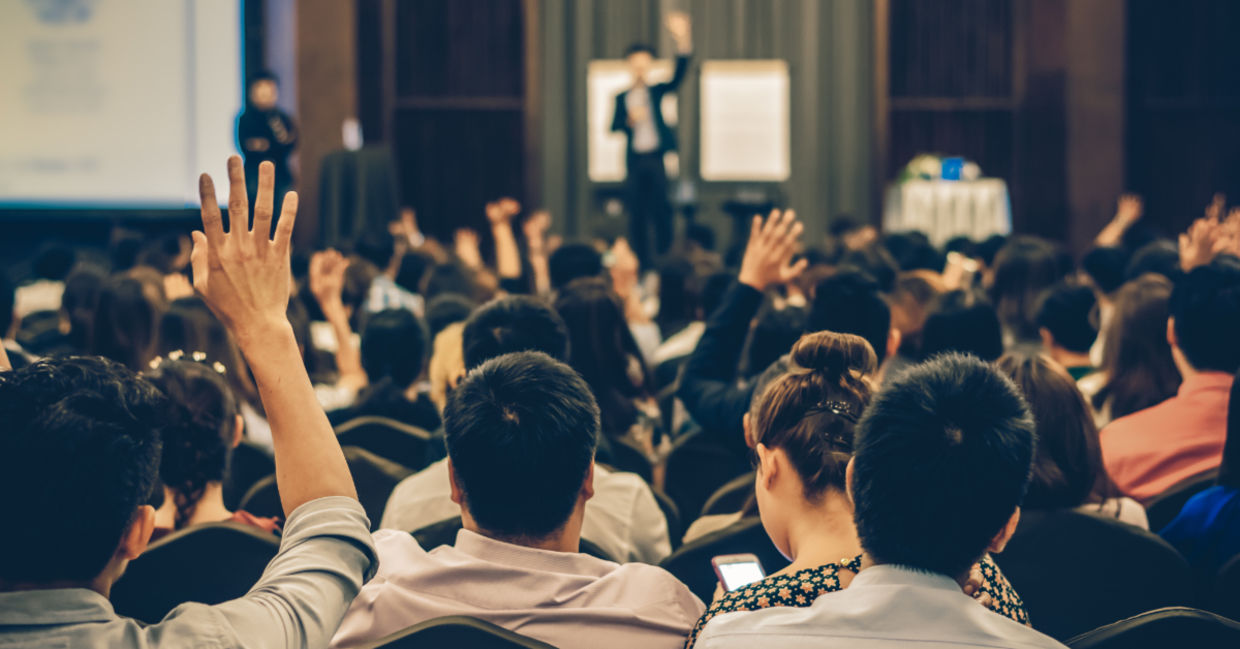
(755, 229)
(238, 208)
(284, 229)
(198, 260)
(794, 271)
(785, 223)
(263, 202)
(212, 222)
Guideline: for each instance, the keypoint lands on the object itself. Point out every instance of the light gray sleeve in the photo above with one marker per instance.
(325, 556)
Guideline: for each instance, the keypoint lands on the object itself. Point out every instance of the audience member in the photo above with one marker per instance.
(199, 429)
(1067, 469)
(1023, 268)
(447, 309)
(514, 324)
(962, 321)
(126, 316)
(1063, 318)
(447, 364)
(910, 305)
(393, 353)
(801, 429)
(1137, 370)
(573, 261)
(850, 302)
(79, 453)
(521, 432)
(1160, 257)
(1140, 454)
(943, 456)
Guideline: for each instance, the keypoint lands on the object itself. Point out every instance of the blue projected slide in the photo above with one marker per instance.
(116, 103)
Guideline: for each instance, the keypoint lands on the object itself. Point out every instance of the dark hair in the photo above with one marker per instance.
(78, 303)
(358, 276)
(79, 452)
(573, 261)
(774, 332)
(1160, 256)
(123, 249)
(1067, 469)
(393, 347)
(189, 326)
(1065, 310)
(713, 290)
(602, 349)
(1136, 358)
(988, 248)
(516, 323)
(376, 247)
(126, 316)
(636, 48)
(1105, 267)
(53, 261)
(447, 309)
(962, 321)
(844, 224)
(701, 234)
(521, 431)
(875, 261)
(450, 278)
(197, 433)
(910, 302)
(263, 75)
(679, 291)
(1023, 269)
(849, 303)
(1206, 306)
(811, 409)
(1229, 470)
(961, 244)
(8, 298)
(913, 251)
(943, 457)
(413, 267)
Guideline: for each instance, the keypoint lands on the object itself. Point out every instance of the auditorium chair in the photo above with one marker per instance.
(373, 476)
(444, 533)
(696, 467)
(624, 457)
(691, 563)
(249, 464)
(1175, 626)
(209, 563)
(1167, 505)
(1078, 571)
(675, 524)
(731, 497)
(1226, 597)
(390, 439)
(457, 631)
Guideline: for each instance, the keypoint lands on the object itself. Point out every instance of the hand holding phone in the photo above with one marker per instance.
(737, 570)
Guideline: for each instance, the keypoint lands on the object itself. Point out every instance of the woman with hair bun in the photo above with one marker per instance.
(801, 430)
(201, 428)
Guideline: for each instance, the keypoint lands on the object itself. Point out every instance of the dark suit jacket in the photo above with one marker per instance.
(667, 137)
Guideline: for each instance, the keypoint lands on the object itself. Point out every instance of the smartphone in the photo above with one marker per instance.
(737, 570)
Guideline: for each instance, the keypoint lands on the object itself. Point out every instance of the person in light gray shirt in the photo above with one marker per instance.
(79, 452)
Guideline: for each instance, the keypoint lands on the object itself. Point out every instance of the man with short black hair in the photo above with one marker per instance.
(942, 459)
(623, 518)
(1152, 450)
(521, 431)
(1064, 322)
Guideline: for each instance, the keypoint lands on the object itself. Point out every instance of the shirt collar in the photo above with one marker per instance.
(1205, 382)
(54, 607)
(531, 559)
(893, 575)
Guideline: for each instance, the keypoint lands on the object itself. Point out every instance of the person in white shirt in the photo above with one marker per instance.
(521, 431)
(942, 459)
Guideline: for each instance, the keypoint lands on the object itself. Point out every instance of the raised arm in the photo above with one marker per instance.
(507, 254)
(679, 26)
(244, 276)
(535, 228)
(327, 269)
(1128, 210)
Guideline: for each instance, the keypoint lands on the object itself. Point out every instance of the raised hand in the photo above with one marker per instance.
(327, 270)
(243, 274)
(768, 255)
(1128, 209)
(1204, 239)
(678, 25)
(466, 246)
(1214, 210)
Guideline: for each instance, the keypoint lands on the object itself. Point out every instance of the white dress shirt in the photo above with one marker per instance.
(622, 518)
(645, 136)
(566, 599)
(884, 606)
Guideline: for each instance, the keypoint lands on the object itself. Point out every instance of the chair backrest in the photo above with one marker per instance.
(675, 524)
(1167, 505)
(691, 563)
(1077, 571)
(457, 631)
(389, 439)
(1226, 596)
(696, 467)
(373, 476)
(1175, 626)
(444, 533)
(731, 497)
(250, 463)
(624, 457)
(210, 563)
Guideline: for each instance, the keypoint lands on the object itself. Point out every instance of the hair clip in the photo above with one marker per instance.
(839, 408)
(196, 357)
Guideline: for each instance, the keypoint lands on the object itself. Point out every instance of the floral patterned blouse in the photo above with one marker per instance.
(801, 588)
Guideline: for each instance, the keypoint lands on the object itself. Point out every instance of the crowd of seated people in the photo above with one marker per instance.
(885, 409)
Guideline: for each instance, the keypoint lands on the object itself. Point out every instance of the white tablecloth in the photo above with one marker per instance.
(947, 208)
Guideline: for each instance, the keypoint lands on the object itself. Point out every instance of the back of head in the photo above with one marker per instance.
(1065, 310)
(910, 302)
(1067, 469)
(124, 326)
(1105, 267)
(1160, 256)
(775, 330)
(849, 303)
(189, 326)
(942, 459)
(913, 251)
(53, 261)
(78, 302)
(198, 429)
(393, 347)
(8, 298)
(1136, 358)
(872, 260)
(376, 247)
(573, 261)
(79, 451)
(516, 323)
(445, 310)
(1206, 306)
(450, 278)
(413, 267)
(811, 409)
(521, 431)
(962, 321)
(1023, 269)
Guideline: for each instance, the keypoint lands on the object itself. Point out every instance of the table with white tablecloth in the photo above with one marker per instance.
(948, 208)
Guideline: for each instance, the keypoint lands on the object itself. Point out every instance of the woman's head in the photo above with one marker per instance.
(962, 321)
(124, 325)
(1136, 358)
(393, 347)
(801, 427)
(1068, 469)
(189, 325)
(201, 427)
(1023, 269)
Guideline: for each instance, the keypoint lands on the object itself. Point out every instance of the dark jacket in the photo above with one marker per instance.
(667, 137)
